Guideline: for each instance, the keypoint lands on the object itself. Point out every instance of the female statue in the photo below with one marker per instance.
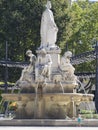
(48, 29)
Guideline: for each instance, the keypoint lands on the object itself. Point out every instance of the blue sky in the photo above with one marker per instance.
(89, 0)
(93, 0)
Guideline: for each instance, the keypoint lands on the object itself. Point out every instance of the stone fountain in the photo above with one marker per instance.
(47, 86)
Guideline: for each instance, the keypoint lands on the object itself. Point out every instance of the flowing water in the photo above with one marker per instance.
(82, 87)
(36, 101)
(62, 87)
(7, 107)
(4, 107)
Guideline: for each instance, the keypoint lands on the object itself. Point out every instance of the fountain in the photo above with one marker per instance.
(47, 86)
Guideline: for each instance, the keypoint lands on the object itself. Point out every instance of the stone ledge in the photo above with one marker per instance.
(49, 122)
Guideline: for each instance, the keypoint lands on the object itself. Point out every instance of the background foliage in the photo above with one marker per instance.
(20, 26)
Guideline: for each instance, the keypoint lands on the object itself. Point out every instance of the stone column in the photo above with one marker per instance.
(72, 108)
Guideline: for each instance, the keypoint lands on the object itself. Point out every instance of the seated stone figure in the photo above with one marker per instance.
(31, 66)
(28, 71)
(66, 68)
(43, 66)
(27, 75)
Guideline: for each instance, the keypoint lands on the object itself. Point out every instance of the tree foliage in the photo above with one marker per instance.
(20, 26)
(82, 30)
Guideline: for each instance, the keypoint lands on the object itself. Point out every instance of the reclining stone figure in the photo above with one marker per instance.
(27, 75)
(66, 68)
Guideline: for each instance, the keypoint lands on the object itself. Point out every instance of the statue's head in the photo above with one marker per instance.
(29, 52)
(48, 5)
(43, 51)
(68, 54)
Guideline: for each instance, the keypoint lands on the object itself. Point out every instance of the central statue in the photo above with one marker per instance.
(48, 28)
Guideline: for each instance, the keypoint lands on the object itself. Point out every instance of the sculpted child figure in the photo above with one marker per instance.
(43, 65)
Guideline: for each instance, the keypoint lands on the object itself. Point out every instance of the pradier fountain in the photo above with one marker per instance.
(47, 86)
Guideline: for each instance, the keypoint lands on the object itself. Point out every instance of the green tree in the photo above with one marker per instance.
(20, 26)
(82, 30)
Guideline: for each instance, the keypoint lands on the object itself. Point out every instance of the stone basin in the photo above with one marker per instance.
(47, 105)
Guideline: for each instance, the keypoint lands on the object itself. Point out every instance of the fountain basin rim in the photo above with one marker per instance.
(46, 94)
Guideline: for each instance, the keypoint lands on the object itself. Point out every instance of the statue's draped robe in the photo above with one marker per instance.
(48, 29)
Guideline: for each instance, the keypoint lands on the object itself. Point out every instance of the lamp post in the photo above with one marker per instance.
(96, 89)
(66, 46)
(6, 68)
